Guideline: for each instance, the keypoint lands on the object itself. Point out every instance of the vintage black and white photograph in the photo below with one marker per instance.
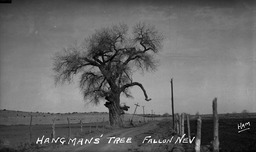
(127, 76)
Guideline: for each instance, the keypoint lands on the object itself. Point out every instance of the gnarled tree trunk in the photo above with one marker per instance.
(115, 111)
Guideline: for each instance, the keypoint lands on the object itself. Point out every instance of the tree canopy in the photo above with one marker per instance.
(106, 60)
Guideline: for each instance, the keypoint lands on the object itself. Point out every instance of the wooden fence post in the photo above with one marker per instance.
(81, 125)
(90, 126)
(198, 134)
(177, 123)
(103, 123)
(30, 129)
(215, 126)
(188, 124)
(53, 128)
(69, 128)
(97, 123)
(182, 123)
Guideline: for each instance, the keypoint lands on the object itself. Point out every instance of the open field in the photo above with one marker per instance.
(18, 134)
(14, 125)
(230, 139)
(8, 117)
(135, 133)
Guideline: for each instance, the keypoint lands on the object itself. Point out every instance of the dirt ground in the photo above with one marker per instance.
(133, 140)
(132, 137)
(104, 146)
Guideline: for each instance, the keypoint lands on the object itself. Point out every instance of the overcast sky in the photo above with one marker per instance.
(209, 50)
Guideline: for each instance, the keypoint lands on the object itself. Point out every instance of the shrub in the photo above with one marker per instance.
(166, 115)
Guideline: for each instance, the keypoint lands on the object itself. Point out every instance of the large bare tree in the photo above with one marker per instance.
(105, 62)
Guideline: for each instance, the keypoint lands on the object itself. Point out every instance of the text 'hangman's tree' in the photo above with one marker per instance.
(106, 61)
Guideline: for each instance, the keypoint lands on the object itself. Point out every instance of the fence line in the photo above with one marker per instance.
(179, 127)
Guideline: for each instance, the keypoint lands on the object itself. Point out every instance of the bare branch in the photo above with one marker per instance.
(139, 85)
(69, 63)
